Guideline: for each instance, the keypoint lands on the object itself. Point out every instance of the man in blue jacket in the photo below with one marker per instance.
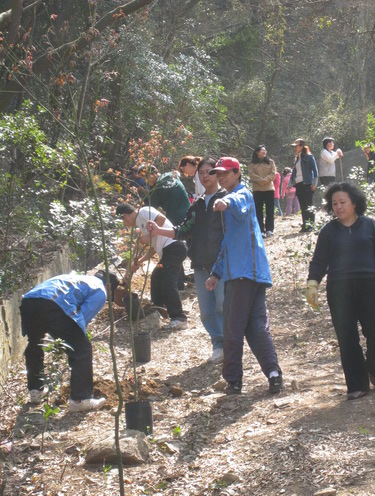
(243, 265)
(63, 306)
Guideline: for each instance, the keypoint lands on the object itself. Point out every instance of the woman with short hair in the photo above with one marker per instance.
(327, 166)
(345, 251)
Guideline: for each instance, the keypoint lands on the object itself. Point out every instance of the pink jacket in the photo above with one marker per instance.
(284, 186)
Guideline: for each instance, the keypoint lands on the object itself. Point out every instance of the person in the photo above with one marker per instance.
(166, 191)
(242, 264)
(276, 183)
(137, 180)
(345, 251)
(63, 306)
(164, 278)
(189, 167)
(292, 204)
(327, 166)
(203, 230)
(370, 156)
(305, 178)
(262, 172)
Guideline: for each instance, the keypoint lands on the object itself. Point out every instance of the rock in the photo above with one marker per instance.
(294, 385)
(150, 322)
(229, 478)
(168, 447)
(219, 385)
(283, 403)
(329, 491)
(5, 449)
(176, 391)
(133, 445)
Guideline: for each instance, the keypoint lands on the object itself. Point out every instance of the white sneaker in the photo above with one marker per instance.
(217, 356)
(86, 405)
(178, 324)
(36, 395)
(269, 234)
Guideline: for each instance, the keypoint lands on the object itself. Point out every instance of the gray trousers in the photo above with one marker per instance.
(245, 315)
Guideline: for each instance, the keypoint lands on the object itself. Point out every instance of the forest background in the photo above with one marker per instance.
(107, 85)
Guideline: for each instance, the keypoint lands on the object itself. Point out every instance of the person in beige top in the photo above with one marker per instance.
(262, 172)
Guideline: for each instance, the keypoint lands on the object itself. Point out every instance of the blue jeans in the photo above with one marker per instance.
(277, 206)
(210, 306)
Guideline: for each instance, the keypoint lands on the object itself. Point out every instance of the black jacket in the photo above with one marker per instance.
(203, 229)
(344, 252)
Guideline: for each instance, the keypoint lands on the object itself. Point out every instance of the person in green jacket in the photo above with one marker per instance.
(166, 191)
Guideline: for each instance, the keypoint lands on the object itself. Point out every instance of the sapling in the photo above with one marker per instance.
(55, 349)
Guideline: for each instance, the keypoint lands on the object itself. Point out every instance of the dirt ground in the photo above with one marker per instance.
(306, 439)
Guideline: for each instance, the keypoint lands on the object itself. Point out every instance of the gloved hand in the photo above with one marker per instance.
(312, 293)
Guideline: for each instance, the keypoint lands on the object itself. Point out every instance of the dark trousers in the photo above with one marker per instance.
(245, 315)
(305, 198)
(40, 316)
(265, 198)
(164, 280)
(352, 301)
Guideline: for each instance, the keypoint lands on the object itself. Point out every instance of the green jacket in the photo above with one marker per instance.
(169, 193)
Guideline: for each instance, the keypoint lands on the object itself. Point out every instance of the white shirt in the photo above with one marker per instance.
(299, 176)
(327, 166)
(157, 242)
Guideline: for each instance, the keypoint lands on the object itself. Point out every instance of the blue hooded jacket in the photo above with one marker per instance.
(242, 251)
(80, 297)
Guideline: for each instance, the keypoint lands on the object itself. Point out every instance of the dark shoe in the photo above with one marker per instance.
(357, 394)
(372, 379)
(275, 384)
(234, 387)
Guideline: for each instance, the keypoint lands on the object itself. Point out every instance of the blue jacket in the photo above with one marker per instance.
(242, 251)
(79, 296)
(309, 171)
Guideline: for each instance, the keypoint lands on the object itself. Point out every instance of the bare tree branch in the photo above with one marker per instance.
(62, 53)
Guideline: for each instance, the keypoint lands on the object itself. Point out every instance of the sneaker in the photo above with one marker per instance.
(217, 356)
(275, 384)
(234, 387)
(357, 394)
(86, 405)
(36, 395)
(178, 324)
(269, 234)
(372, 379)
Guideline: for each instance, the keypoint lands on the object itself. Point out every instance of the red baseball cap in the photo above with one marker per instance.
(225, 164)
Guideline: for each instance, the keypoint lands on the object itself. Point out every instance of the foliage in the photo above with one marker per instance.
(369, 133)
(77, 223)
(32, 174)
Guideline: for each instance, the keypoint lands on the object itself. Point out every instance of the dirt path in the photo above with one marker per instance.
(306, 439)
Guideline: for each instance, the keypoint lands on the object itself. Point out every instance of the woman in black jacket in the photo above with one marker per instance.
(345, 251)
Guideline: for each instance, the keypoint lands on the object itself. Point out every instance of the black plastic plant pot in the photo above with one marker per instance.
(138, 416)
(142, 347)
(136, 304)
